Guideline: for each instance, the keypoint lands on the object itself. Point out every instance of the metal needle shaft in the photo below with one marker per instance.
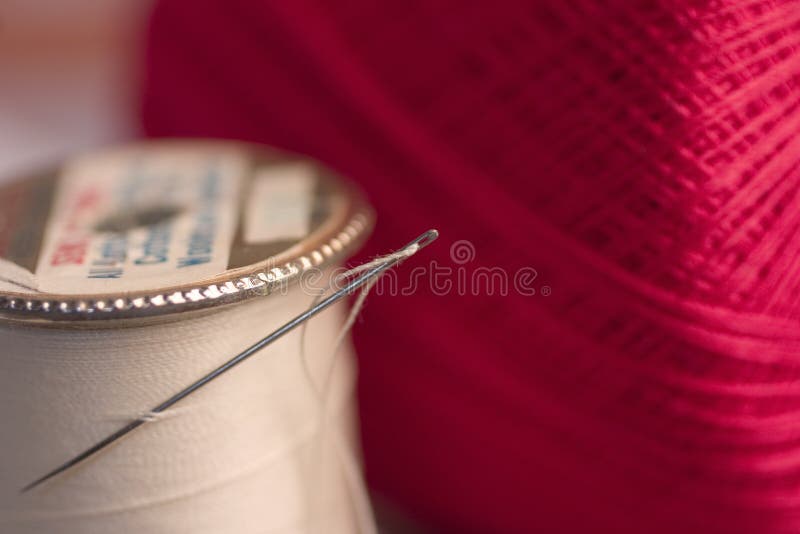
(421, 241)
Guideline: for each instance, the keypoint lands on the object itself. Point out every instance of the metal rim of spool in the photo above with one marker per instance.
(335, 240)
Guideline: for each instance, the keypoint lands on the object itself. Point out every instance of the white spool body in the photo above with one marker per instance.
(246, 453)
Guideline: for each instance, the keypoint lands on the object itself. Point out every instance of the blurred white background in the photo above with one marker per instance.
(68, 71)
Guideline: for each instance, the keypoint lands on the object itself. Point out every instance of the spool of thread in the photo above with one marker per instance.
(130, 273)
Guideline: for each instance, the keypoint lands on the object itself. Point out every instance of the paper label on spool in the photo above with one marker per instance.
(130, 220)
(280, 203)
(16, 278)
(167, 226)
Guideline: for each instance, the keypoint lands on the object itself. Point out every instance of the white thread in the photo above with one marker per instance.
(240, 456)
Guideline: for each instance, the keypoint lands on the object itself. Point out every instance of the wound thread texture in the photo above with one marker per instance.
(641, 156)
(241, 455)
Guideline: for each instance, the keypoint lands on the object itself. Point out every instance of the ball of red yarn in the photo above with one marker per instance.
(642, 157)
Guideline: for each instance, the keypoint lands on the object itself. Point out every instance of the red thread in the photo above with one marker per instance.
(641, 156)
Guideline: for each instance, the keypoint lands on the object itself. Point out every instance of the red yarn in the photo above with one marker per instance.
(641, 156)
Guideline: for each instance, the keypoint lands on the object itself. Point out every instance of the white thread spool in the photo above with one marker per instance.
(242, 455)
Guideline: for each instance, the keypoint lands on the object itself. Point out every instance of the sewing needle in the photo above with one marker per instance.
(420, 242)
